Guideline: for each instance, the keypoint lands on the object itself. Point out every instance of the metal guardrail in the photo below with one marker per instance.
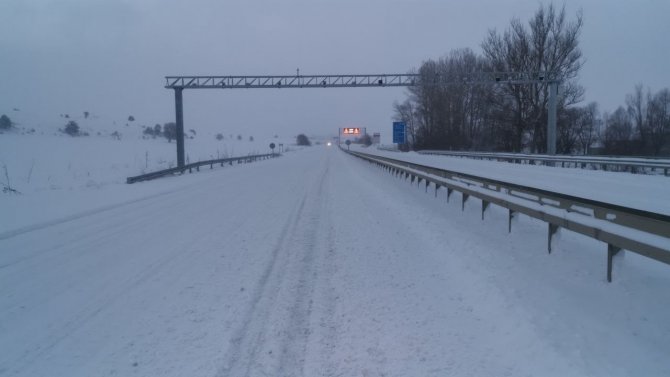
(197, 165)
(629, 164)
(621, 228)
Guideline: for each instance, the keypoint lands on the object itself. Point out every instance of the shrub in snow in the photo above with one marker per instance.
(153, 132)
(366, 140)
(72, 128)
(219, 137)
(5, 122)
(303, 140)
(170, 131)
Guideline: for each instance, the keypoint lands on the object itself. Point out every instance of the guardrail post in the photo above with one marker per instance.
(611, 252)
(485, 205)
(437, 187)
(427, 184)
(552, 230)
(630, 218)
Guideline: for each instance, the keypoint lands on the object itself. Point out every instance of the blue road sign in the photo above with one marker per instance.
(399, 136)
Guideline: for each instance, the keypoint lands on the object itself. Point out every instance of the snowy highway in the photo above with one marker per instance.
(319, 264)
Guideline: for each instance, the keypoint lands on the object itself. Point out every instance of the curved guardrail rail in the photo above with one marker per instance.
(197, 165)
(643, 232)
(630, 164)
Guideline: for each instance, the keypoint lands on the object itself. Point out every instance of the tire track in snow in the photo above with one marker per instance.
(278, 317)
(76, 216)
(88, 238)
(294, 345)
(88, 312)
(248, 337)
(193, 188)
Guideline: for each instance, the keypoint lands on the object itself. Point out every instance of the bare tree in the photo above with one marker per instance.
(550, 44)
(588, 126)
(446, 111)
(657, 125)
(618, 132)
(568, 130)
(636, 105)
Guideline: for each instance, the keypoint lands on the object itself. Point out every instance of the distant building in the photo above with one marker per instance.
(376, 137)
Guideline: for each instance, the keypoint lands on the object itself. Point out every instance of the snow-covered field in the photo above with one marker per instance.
(312, 264)
(58, 175)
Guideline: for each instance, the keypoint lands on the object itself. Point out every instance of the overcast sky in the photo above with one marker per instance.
(110, 57)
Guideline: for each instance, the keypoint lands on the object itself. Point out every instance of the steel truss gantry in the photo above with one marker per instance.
(179, 83)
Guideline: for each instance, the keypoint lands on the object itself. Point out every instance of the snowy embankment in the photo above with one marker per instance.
(57, 175)
(646, 192)
(318, 264)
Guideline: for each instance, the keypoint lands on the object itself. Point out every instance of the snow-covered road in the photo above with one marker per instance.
(318, 264)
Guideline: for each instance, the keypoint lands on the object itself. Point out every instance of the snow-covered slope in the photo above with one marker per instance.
(57, 174)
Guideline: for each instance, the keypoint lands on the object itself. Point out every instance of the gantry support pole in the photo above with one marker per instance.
(179, 110)
(551, 118)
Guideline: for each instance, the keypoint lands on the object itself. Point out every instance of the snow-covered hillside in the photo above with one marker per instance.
(55, 173)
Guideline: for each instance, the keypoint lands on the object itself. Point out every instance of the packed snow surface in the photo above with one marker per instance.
(312, 264)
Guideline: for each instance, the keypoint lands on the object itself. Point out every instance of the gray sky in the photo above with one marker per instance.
(109, 57)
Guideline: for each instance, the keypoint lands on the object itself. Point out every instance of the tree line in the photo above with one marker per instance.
(444, 111)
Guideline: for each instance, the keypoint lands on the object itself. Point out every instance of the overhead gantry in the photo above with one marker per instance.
(179, 83)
